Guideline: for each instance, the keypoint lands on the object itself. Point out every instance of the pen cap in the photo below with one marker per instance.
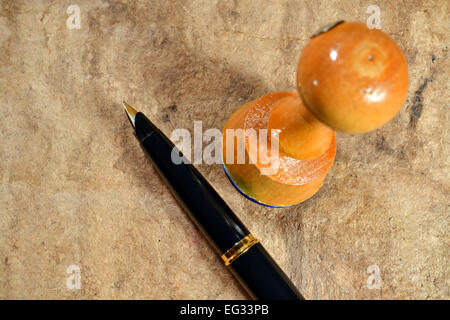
(203, 204)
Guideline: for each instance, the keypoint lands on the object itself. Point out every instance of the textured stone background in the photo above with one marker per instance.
(77, 189)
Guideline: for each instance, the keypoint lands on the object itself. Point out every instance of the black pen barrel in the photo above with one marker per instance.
(206, 208)
(255, 269)
(262, 277)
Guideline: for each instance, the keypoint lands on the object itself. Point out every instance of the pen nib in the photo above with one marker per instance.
(131, 112)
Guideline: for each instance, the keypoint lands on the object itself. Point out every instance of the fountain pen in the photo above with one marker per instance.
(240, 251)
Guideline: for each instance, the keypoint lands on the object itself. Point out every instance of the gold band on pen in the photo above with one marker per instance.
(239, 248)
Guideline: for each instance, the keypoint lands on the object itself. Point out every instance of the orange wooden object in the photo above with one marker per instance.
(350, 79)
(302, 135)
(294, 181)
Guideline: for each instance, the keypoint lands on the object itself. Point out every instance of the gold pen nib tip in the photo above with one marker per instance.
(131, 112)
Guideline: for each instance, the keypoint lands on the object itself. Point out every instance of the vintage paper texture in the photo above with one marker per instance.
(76, 189)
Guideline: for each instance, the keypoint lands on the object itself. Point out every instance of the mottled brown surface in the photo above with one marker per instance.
(70, 166)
